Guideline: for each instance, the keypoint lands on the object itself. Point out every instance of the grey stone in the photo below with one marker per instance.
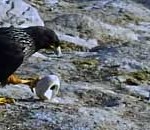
(16, 91)
(141, 91)
(18, 13)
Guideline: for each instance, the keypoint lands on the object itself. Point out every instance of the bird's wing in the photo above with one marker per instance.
(11, 57)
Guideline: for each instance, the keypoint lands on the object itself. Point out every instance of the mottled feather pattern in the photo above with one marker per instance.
(25, 40)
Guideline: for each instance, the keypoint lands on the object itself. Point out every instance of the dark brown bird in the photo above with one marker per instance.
(17, 44)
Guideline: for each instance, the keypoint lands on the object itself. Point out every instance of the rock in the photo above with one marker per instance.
(144, 2)
(102, 24)
(95, 93)
(16, 91)
(51, 2)
(86, 27)
(39, 55)
(139, 91)
(88, 43)
(19, 14)
(74, 24)
(84, 92)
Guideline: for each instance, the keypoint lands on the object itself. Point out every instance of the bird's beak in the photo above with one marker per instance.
(58, 51)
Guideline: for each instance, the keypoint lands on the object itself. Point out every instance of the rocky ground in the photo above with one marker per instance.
(105, 84)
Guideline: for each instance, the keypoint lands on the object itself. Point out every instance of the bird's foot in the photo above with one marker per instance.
(15, 79)
(5, 100)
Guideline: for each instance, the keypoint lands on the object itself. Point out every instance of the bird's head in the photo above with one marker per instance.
(45, 38)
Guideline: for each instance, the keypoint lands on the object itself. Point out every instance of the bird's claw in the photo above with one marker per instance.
(31, 82)
(5, 100)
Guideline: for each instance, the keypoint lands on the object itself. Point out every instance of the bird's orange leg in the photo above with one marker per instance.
(14, 79)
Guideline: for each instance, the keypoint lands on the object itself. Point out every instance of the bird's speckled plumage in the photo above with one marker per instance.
(20, 35)
(17, 44)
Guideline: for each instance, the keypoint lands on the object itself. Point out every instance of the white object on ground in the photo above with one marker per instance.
(48, 87)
